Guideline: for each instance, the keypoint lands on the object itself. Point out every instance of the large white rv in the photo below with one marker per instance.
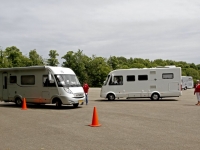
(41, 85)
(154, 83)
(187, 82)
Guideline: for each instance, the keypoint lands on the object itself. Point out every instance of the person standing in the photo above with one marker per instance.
(197, 92)
(86, 89)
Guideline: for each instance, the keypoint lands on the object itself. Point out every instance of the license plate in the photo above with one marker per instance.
(79, 95)
(80, 101)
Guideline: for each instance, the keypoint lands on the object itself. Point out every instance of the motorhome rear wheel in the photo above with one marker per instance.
(155, 96)
(18, 101)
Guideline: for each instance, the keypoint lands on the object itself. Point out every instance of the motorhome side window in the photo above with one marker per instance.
(27, 80)
(13, 79)
(142, 77)
(117, 80)
(167, 75)
(47, 82)
(130, 78)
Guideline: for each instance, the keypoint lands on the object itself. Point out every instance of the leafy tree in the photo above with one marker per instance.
(147, 63)
(123, 66)
(82, 66)
(69, 60)
(53, 61)
(14, 56)
(122, 63)
(198, 66)
(138, 60)
(26, 62)
(179, 65)
(183, 72)
(182, 64)
(78, 62)
(192, 72)
(160, 62)
(98, 70)
(3, 59)
(192, 65)
(137, 65)
(170, 62)
(153, 64)
(113, 62)
(130, 62)
(35, 58)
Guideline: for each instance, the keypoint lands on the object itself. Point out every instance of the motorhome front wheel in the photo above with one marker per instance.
(111, 97)
(76, 105)
(58, 103)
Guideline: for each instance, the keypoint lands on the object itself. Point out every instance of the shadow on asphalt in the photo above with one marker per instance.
(135, 100)
(40, 106)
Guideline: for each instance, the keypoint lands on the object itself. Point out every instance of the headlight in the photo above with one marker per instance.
(68, 91)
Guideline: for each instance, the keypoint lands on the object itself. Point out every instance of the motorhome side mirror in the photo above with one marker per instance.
(49, 76)
(112, 78)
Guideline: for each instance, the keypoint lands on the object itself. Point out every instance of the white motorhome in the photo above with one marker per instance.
(187, 82)
(154, 83)
(41, 85)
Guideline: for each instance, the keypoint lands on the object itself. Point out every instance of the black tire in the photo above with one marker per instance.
(111, 97)
(18, 101)
(58, 103)
(155, 96)
(185, 88)
(76, 105)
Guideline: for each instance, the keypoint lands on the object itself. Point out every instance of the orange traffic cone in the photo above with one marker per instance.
(24, 104)
(95, 122)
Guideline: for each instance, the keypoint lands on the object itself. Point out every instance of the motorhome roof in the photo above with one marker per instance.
(57, 70)
(171, 66)
(23, 68)
(153, 69)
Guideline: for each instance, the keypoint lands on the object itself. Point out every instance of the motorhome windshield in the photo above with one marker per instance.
(67, 80)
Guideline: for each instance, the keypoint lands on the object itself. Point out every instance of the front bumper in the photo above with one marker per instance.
(71, 100)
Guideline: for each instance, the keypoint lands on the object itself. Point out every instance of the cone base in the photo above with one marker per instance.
(95, 125)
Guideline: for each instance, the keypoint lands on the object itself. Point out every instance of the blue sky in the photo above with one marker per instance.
(156, 29)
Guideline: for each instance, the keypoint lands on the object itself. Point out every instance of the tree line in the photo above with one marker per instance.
(91, 69)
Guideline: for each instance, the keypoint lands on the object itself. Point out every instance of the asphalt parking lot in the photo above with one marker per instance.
(134, 124)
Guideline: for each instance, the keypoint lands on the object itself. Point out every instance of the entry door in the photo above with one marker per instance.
(152, 76)
(5, 86)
